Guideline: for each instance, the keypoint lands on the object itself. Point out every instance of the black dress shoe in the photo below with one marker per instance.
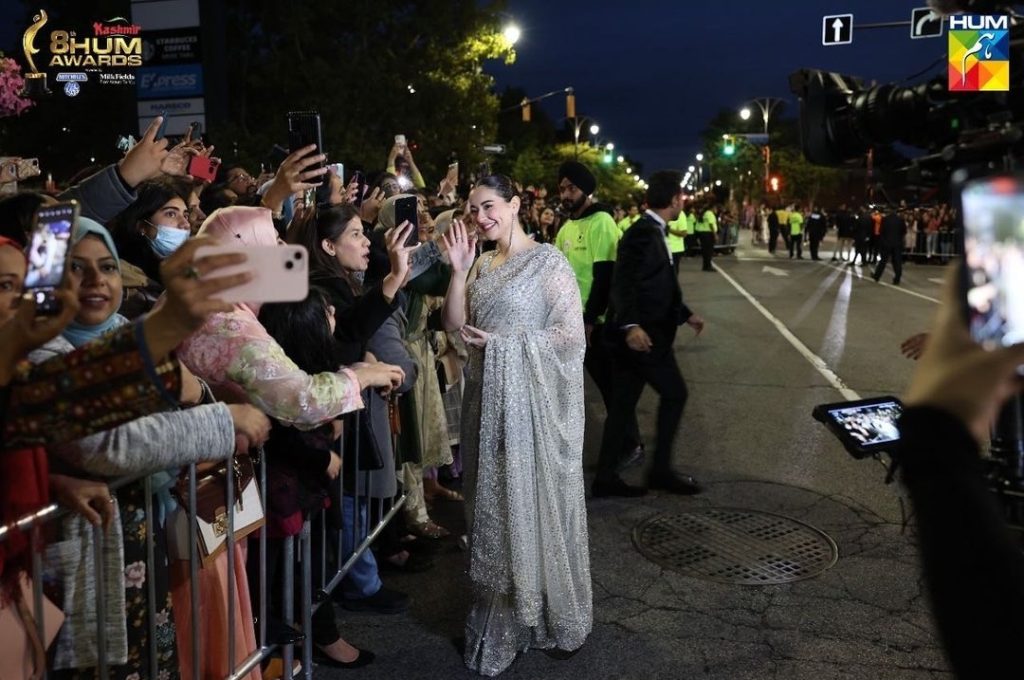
(560, 654)
(384, 601)
(671, 482)
(614, 486)
(280, 633)
(365, 658)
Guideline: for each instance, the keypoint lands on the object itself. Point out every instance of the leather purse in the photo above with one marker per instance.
(211, 505)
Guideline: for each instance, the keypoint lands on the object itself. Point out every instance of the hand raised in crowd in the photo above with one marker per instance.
(398, 251)
(385, 377)
(176, 161)
(914, 346)
(370, 208)
(144, 160)
(461, 247)
(351, 192)
(252, 426)
(26, 330)
(90, 499)
(334, 466)
(189, 298)
(292, 176)
(956, 375)
(474, 337)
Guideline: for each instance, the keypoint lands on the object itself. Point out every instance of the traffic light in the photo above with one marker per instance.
(526, 110)
(570, 105)
(728, 145)
(607, 158)
(773, 182)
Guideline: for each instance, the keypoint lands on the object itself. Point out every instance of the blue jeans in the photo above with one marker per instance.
(363, 579)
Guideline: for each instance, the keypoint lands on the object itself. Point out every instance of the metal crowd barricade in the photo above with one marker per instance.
(32, 525)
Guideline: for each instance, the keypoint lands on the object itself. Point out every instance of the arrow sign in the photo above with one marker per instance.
(837, 29)
(773, 271)
(925, 23)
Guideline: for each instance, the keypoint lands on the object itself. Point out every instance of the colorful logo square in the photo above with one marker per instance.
(979, 53)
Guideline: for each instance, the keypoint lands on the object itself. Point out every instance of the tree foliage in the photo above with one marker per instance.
(373, 69)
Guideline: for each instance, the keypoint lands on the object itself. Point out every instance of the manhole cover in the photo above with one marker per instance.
(735, 546)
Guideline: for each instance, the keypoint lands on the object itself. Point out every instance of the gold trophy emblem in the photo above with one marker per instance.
(35, 82)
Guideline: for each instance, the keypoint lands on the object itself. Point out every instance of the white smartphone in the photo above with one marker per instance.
(280, 273)
(400, 140)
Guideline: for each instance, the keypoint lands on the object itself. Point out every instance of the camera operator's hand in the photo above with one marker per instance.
(956, 375)
(370, 208)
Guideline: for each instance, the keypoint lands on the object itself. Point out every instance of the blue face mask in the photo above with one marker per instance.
(168, 239)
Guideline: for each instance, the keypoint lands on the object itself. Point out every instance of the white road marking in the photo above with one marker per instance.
(772, 270)
(888, 285)
(817, 362)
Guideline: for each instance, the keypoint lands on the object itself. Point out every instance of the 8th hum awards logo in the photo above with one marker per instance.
(979, 53)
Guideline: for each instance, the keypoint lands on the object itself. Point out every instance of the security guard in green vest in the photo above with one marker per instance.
(796, 233)
(676, 237)
(706, 229)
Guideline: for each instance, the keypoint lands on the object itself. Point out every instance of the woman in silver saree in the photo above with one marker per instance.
(518, 309)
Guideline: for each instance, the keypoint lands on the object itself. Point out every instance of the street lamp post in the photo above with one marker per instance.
(576, 127)
(766, 105)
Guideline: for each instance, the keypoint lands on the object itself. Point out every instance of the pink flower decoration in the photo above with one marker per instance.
(11, 87)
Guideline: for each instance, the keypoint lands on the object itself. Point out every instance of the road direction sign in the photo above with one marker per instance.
(925, 23)
(837, 29)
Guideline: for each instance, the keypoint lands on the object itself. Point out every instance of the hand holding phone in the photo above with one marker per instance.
(47, 254)
(280, 273)
(161, 132)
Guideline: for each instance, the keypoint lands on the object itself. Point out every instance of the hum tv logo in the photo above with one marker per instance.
(979, 53)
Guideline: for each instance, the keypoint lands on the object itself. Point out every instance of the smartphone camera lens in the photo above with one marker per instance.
(289, 265)
(297, 255)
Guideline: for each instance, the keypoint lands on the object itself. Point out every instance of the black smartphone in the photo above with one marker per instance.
(864, 427)
(407, 210)
(47, 254)
(360, 179)
(275, 157)
(303, 130)
(162, 130)
(991, 214)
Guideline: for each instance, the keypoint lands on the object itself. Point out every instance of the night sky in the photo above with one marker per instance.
(652, 73)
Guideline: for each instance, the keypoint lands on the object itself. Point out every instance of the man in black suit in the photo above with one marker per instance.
(645, 311)
(894, 230)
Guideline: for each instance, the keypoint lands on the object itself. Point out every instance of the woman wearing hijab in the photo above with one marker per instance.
(236, 354)
(204, 433)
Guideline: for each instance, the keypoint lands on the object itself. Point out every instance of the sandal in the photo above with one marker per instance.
(429, 529)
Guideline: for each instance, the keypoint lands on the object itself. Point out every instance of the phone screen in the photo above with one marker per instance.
(406, 210)
(864, 427)
(47, 254)
(992, 213)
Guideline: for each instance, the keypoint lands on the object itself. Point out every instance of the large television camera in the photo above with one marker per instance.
(840, 118)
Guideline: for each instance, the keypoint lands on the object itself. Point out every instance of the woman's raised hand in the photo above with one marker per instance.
(460, 245)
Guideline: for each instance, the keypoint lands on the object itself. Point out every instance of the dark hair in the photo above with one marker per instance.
(302, 330)
(17, 213)
(131, 243)
(329, 223)
(216, 197)
(663, 186)
(502, 185)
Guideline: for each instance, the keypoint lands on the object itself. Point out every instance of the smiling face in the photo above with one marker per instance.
(96, 279)
(351, 249)
(493, 216)
(12, 277)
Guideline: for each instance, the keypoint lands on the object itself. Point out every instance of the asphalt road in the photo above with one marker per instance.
(748, 435)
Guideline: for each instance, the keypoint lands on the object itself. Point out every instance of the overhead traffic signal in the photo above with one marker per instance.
(728, 145)
(773, 182)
